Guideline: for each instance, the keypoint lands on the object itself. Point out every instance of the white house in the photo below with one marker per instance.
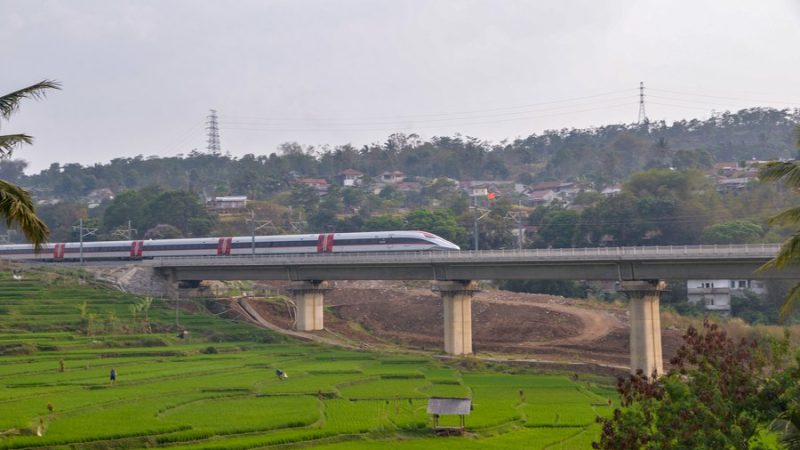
(716, 294)
(350, 177)
(230, 202)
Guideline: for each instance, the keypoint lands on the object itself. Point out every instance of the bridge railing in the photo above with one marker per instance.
(643, 252)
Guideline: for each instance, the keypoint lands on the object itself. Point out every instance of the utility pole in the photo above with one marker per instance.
(477, 217)
(212, 133)
(642, 114)
(82, 234)
(126, 233)
(256, 225)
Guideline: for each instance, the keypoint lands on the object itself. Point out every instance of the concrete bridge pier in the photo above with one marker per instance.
(308, 297)
(457, 300)
(645, 318)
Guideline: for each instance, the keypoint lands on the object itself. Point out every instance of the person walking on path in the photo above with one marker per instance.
(113, 375)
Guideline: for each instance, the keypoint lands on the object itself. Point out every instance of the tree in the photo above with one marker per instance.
(732, 232)
(787, 172)
(16, 205)
(440, 222)
(715, 396)
(181, 209)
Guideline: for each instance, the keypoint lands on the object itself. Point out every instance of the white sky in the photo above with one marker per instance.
(140, 76)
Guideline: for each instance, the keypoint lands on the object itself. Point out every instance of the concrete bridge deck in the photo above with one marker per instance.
(639, 270)
(604, 263)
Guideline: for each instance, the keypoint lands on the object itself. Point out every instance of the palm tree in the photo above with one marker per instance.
(787, 172)
(15, 203)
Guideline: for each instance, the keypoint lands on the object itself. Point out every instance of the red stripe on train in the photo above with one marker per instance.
(58, 251)
(136, 249)
(224, 246)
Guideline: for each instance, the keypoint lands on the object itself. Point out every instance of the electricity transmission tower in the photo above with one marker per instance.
(642, 114)
(212, 132)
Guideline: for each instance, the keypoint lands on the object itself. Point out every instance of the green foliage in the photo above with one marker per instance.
(751, 308)
(153, 207)
(564, 288)
(787, 172)
(439, 221)
(732, 232)
(719, 394)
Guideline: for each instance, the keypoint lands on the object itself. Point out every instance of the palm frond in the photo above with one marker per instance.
(17, 208)
(9, 142)
(789, 253)
(790, 302)
(788, 434)
(790, 216)
(786, 171)
(9, 103)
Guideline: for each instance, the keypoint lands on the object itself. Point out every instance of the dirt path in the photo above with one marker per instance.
(597, 324)
(243, 308)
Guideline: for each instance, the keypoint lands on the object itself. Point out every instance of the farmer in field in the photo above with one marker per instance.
(113, 375)
(281, 374)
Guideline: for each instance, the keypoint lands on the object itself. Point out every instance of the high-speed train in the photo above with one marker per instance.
(378, 241)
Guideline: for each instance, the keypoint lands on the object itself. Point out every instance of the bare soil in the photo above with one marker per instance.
(505, 325)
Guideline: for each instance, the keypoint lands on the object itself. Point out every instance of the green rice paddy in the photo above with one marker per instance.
(218, 389)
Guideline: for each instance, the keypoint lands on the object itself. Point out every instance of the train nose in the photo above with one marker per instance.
(449, 245)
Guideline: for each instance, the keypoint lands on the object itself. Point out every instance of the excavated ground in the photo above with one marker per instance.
(505, 324)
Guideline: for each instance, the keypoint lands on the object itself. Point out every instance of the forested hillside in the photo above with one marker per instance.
(601, 155)
(664, 187)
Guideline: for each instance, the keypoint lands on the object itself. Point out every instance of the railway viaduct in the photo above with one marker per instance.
(639, 271)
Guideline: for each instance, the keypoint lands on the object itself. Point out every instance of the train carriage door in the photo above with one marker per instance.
(136, 249)
(325, 243)
(224, 246)
(58, 251)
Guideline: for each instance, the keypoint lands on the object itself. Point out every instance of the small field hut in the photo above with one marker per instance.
(460, 407)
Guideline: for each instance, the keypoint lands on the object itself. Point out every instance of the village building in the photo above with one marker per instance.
(391, 177)
(716, 294)
(350, 177)
(319, 184)
(228, 203)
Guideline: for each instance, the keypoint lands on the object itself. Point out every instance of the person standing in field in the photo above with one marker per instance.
(113, 375)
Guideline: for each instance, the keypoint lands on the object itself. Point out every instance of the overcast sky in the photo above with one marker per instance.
(139, 77)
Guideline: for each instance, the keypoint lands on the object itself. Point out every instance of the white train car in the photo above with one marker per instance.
(378, 241)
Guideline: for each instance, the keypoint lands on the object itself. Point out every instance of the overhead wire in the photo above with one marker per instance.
(414, 127)
(384, 122)
(475, 111)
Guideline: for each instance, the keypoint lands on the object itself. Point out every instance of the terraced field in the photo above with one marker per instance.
(217, 387)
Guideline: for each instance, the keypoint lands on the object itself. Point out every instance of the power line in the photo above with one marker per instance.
(689, 94)
(412, 127)
(476, 111)
(341, 122)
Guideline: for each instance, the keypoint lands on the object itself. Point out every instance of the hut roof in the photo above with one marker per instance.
(449, 406)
